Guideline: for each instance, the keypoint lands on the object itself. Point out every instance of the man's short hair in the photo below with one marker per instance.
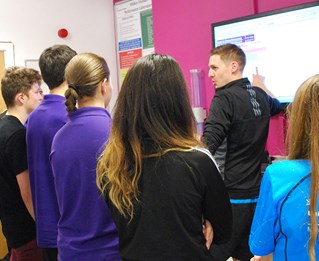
(229, 53)
(16, 80)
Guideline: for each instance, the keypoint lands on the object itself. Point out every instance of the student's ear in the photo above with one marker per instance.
(104, 84)
(20, 98)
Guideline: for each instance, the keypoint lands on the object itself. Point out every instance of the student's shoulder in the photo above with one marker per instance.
(285, 174)
(198, 156)
(10, 124)
(289, 167)
(46, 114)
(203, 153)
(15, 136)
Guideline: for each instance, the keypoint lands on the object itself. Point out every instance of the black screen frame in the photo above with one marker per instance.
(260, 15)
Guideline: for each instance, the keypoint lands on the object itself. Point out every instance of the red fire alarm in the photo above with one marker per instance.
(62, 33)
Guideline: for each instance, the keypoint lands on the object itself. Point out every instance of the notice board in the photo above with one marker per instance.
(134, 33)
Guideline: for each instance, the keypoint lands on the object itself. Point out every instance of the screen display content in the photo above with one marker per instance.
(283, 45)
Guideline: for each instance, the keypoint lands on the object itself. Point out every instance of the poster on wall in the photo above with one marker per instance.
(134, 32)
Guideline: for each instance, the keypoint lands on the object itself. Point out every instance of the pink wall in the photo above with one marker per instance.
(182, 29)
(185, 33)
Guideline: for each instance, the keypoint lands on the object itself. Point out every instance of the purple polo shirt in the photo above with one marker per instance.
(85, 230)
(43, 123)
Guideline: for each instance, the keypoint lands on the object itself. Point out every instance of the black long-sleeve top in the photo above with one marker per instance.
(177, 191)
(236, 132)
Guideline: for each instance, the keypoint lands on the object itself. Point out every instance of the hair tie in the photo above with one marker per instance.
(73, 86)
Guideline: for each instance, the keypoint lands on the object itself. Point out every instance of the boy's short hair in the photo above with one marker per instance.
(16, 80)
(52, 63)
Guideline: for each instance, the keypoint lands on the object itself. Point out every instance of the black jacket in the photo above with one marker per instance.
(236, 133)
(177, 190)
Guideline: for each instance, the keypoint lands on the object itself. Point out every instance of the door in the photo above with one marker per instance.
(2, 69)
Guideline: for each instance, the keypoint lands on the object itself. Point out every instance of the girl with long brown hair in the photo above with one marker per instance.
(157, 179)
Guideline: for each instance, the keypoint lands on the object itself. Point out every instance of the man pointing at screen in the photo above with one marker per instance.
(236, 132)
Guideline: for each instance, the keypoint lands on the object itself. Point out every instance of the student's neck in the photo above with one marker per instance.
(19, 113)
(90, 103)
(60, 90)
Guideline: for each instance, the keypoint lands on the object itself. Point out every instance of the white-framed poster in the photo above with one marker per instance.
(134, 33)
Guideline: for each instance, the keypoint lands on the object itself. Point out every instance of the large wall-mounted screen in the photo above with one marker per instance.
(283, 44)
